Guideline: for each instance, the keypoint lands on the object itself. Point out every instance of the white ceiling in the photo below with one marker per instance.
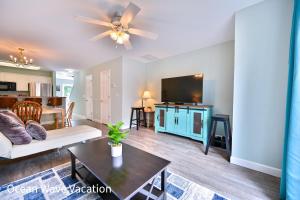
(50, 34)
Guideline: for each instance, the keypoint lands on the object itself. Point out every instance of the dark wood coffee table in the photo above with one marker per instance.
(132, 180)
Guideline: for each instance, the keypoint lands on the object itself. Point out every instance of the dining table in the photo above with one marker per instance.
(59, 114)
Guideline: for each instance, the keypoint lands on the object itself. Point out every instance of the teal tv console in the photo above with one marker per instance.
(184, 120)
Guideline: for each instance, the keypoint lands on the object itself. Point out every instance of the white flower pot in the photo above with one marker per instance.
(116, 151)
(117, 162)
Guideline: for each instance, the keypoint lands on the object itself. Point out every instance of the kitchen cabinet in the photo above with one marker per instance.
(22, 80)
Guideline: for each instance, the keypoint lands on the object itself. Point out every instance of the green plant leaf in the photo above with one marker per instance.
(115, 134)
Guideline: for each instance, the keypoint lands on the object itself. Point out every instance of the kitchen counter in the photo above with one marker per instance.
(44, 99)
(46, 119)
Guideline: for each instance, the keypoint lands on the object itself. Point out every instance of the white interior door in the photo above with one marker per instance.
(89, 96)
(105, 99)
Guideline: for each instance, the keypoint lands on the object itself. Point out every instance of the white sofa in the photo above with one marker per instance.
(55, 139)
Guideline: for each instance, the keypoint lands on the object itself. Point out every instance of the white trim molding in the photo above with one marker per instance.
(256, 166)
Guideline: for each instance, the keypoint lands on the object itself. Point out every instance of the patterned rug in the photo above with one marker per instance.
(56, 184)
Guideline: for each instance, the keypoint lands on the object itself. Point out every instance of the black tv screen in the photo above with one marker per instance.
(185, 89)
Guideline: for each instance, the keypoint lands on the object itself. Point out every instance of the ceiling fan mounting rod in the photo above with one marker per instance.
(120, 28)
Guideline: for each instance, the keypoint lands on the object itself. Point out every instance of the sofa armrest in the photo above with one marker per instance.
(5, 146)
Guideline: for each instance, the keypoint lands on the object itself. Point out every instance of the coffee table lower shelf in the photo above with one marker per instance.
(90, 179)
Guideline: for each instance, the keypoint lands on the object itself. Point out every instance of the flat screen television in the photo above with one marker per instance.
(184, 89)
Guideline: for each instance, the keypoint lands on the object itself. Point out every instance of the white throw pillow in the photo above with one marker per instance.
(5, 146)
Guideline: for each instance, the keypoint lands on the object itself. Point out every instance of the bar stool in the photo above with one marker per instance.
(55, 101)
(34, 99)
(138, 119)
(227, 128)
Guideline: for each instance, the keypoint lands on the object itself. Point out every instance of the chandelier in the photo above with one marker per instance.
(20, 59)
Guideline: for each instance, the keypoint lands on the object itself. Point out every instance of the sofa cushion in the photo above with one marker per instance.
(36, 130)
(56, 139)
(5, 146)
(12, 114)
(13, 129)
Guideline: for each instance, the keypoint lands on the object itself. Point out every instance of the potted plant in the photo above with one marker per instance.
(115, 136)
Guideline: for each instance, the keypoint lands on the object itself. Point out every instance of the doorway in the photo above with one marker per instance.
(89, 96)
(105, 98)
(66, 92)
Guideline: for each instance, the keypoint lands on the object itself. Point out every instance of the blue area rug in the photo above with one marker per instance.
(56, 184)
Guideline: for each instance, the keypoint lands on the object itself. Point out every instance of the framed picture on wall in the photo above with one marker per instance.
(57, 88)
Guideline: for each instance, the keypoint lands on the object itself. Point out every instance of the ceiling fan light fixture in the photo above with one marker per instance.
(119, 37)
(126, 36)
(120, 40)
(120, 31)
(114, 35)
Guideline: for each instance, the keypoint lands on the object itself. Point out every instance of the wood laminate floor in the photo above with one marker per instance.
(187, 159)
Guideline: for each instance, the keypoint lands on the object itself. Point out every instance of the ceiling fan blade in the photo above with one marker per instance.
(129, 13)
(142, 33)
(127, 44)
(93, 21)
(101, 35)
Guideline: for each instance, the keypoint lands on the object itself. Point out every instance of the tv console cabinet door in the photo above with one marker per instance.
(181, 122)
(171, 120)
(196, 123)
(160, 119)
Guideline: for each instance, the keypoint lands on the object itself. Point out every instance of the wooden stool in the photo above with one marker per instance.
(55, 101)
(34, 99)
(138, 119)
(214, 120)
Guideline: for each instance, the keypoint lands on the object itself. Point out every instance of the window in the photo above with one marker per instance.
(67, 89)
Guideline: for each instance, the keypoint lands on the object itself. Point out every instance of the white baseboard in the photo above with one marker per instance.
(79, 116)
(256, 166)
(124, 127)
(97, 120)
(47, 122)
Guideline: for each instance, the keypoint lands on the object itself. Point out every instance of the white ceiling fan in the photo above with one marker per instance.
(119, 27)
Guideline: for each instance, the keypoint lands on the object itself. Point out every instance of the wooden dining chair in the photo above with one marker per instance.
(69, 114)
(28, 110)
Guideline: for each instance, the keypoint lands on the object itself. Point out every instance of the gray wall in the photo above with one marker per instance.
(128, 80)
(262, 35)
(215, 62)
(116, 88)
(134, 83)
(78, 93)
